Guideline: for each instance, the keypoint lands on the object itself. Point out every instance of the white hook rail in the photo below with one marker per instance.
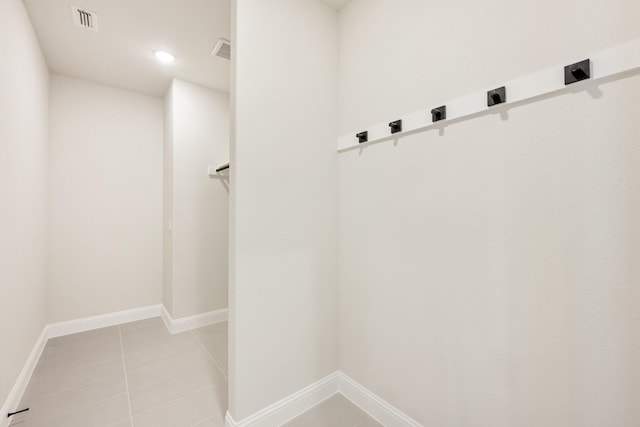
(606, 63)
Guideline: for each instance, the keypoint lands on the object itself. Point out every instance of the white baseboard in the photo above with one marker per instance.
(291, 406)
(192, 322)
(20, 386)
(102, 321)
(379, 409)
(305, 399)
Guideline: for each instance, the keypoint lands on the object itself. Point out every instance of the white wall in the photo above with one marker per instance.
(23, 153)
(489, 272)
(105, 187)
(283, 175)
(199, 123)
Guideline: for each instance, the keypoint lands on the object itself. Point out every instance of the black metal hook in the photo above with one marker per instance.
(362, 137)
(17, 412)
(396, 126)
(439, 113)
(496, 96)
(576, 72)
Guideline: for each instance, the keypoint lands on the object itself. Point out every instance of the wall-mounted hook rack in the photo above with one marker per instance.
(396, 126)
(362, 137)
(614, 61)
(576, 72)
(439, 113)
(496, 96)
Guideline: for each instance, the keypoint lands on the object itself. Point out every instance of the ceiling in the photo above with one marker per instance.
(120, 53)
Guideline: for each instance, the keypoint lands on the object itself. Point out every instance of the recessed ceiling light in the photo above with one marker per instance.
(164, 57)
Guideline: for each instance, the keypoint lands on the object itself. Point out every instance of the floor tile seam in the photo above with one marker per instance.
(165, 358)
(209, 354)
(137, 337)
(86, 348)
(79, 387)
(182, 374)
(68, 364)
(97, 402)
(104, 341)
(126, 380)
(75, 388)
(156, 331)
(175, 374)
(71, 367)
(144, 349)
(174, 400)
(80, 341)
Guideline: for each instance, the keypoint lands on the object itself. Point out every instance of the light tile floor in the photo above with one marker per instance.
(136, 374)
(139, 375)
(336, 411)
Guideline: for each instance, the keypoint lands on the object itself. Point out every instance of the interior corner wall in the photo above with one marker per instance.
(283, 317)
(197, 205)
(24, 105)
(489, 269)
(167, 202)
(105, 200)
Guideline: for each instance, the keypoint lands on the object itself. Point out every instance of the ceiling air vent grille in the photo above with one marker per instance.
(83, 18)
(222, 49)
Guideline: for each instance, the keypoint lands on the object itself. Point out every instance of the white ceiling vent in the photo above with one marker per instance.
(222, 49)
(83, 18)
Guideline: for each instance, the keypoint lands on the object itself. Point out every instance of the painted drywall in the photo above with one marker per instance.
(283, 310)
(105, 200)
(489, 269)
(167, 203)
(199, 207)
(23, 167)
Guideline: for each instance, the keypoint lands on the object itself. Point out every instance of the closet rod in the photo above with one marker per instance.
(222, 167)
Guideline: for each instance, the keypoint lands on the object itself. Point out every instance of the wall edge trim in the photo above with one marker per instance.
(378, 408)
(291, 406)
(301, 401)
(188, 323)
(102, 321)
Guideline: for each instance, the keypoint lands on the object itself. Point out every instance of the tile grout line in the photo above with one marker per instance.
(208, 354)
(93, 382)
(126, 380)
(176, 399)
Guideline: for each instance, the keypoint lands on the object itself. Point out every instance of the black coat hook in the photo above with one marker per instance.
(576, 72)
(496, 96)
(362, 137)
(396, 126)
(439, 113)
